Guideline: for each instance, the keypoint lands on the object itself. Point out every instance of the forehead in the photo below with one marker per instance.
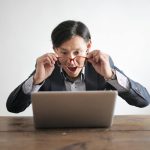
(75, 43)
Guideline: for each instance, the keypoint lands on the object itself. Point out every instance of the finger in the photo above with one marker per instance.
(56, 55)
(45, 60)
(93, 53)
(93, 61)
(96, 56)
(50, 54)
(52, 57)
(90, 55)
(104, 58)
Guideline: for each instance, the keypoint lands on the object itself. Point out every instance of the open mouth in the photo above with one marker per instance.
(72, 69)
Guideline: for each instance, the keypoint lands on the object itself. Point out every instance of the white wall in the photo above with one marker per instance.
(118, 27)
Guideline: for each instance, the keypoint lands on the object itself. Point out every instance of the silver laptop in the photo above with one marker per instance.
(73, 109)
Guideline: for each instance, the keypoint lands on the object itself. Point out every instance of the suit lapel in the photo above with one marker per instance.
(57, 81)
(90, 78)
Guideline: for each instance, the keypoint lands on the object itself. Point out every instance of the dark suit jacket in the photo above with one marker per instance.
(137, 95)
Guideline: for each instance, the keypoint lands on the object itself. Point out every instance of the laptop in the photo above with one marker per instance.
(73, 109)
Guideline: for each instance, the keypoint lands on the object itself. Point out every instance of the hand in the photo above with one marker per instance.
(44, 67)
(100, 62)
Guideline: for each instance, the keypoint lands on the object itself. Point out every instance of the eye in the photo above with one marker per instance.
(76, 53)
(64, 53)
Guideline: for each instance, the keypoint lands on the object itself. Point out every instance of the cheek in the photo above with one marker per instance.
(82, 61)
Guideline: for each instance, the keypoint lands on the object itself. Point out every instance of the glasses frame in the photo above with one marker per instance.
(71, 59)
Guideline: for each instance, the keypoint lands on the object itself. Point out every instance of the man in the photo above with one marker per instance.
(73, 67)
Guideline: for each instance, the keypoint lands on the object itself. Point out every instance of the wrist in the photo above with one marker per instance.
(37, 81)
(112, 77)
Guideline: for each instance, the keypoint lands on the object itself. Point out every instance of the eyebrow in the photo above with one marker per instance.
(64, 49)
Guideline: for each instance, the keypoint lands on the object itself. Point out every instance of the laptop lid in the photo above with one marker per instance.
(73, 109)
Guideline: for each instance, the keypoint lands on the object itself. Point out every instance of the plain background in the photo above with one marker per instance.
(120, 28)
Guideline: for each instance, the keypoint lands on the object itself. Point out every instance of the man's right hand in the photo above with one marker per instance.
(44, 67)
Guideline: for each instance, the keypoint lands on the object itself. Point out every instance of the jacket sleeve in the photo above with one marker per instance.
(137, 95)
(18, 101)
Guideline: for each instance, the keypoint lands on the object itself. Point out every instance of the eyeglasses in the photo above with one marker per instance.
(79, 61)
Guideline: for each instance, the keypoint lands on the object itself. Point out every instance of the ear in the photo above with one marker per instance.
(89, 45)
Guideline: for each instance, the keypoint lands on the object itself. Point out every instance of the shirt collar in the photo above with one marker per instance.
(81, 76)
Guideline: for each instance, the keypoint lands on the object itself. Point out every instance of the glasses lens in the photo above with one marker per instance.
(79, 61)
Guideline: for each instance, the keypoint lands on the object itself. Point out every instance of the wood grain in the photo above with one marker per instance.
(127, 132)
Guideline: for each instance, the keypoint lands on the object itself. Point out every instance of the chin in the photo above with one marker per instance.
(72, 74)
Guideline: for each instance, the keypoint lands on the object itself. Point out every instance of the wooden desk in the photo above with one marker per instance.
(127, 133)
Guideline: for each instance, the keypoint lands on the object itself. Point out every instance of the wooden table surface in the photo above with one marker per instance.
(127, 132)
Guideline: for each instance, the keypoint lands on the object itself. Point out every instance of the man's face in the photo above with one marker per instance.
(70, 52)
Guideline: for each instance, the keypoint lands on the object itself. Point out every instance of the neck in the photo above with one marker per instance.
(72, 79)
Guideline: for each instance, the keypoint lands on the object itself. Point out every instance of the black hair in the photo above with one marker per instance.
(66, 30)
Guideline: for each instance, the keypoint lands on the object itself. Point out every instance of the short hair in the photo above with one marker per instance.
(66, 30)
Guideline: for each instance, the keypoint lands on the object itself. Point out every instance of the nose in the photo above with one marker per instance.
(71, 56)
(71, 60)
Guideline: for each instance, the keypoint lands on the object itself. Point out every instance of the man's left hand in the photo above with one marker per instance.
(100, 62)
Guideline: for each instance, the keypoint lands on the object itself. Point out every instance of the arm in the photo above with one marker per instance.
(20, 98)
(132, 92)
(136, 94)
(18, 101)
